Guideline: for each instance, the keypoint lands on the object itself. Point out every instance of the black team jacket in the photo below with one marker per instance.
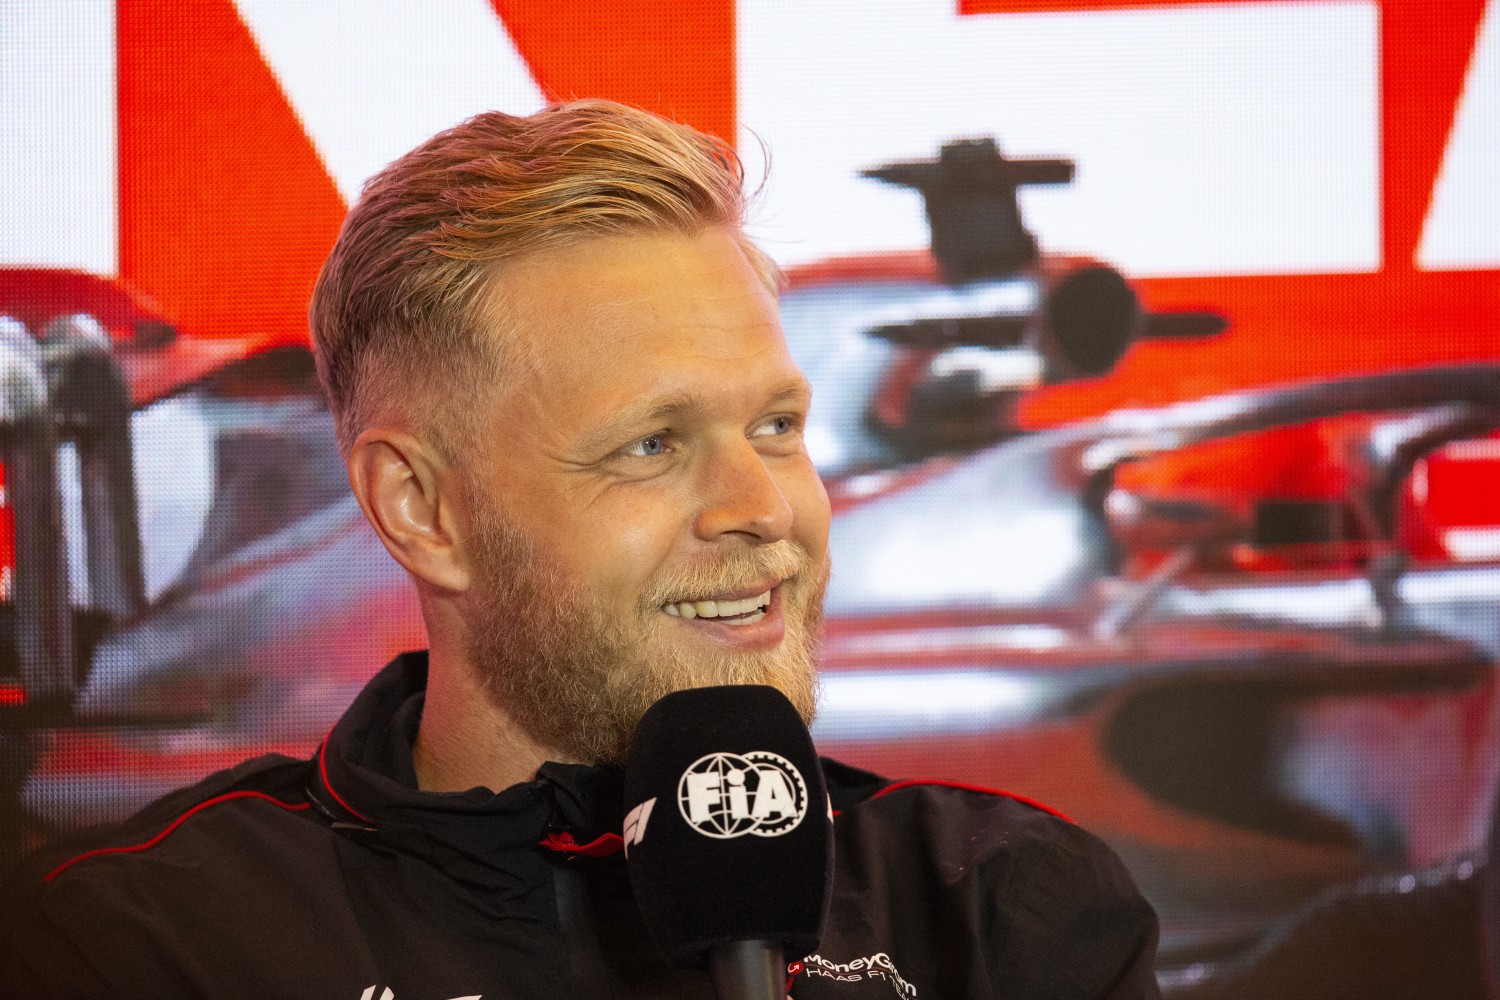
(336, 878)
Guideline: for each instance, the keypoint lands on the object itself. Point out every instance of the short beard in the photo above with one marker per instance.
(577, 679)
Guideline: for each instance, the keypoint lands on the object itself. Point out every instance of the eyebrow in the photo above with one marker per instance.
(796, 388)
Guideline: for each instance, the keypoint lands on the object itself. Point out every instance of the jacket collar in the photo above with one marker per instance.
(366, 782)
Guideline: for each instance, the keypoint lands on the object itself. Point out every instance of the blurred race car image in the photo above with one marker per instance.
(158, 486)
(921, 354)
(1285, 732)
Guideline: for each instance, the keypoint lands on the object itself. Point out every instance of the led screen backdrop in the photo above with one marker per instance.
(1157, 380)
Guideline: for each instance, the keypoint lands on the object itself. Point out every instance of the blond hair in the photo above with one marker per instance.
(403, 313)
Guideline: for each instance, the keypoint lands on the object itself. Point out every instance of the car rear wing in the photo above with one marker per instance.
(62, 387)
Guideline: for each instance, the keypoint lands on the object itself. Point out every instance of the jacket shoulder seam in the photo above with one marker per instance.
(897, 786)
(172, 826)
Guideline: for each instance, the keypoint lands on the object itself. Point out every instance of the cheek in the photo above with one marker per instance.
(623, 550)
(809, 500)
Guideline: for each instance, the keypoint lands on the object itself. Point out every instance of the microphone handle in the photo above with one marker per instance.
(748, 970)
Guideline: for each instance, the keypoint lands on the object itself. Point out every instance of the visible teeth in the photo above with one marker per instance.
(720, 609)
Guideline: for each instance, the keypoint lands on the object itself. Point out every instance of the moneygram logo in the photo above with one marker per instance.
(727, 795)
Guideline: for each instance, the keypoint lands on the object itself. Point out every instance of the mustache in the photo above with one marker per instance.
(723, 572)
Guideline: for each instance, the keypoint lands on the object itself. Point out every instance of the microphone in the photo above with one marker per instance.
(728, 835)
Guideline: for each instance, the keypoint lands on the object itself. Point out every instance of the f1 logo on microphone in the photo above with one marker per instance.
(635, 823)
(727, 795)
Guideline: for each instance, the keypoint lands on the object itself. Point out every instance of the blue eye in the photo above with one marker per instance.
(656, 444)
(777, 425)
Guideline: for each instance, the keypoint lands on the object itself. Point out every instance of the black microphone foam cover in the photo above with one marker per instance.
(727, 830)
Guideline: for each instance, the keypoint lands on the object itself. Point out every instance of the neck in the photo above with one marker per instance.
(466, 740)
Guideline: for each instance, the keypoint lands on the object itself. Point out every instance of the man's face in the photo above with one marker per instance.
(644, 512)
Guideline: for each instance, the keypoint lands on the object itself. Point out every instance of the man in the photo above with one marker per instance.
(568, 411)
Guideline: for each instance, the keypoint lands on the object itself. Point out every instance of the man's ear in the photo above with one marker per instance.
(413, 500)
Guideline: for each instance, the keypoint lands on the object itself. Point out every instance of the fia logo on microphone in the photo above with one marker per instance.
(727, 795)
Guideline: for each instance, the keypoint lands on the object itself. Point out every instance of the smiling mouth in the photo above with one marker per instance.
(741, 612)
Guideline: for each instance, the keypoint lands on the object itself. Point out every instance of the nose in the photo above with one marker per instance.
(741, 496)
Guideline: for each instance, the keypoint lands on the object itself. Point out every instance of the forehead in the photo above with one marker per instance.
(610, 323)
